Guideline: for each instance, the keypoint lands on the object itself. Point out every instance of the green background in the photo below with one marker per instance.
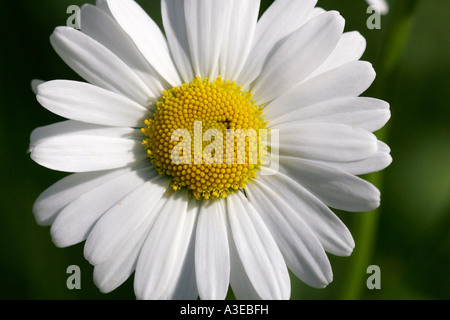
(408, 237)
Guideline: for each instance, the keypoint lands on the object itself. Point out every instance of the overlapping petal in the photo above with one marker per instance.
(123, 219)
(212, 255)
(147, 37)
(163, 255)
(260, 256)
(298, 56)
(98, 65)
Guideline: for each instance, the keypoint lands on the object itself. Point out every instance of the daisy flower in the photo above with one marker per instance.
(189, 227)
(380, 5)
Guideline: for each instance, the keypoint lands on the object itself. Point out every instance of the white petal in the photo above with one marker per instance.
(238, 40)
(334, 187)
(175, 27)
(350, 48)
(98, 65)
(281, 19)
(147, 37)
(326, 141)
(301, 249)
(111, 273)
(379, 161)
(326, 226)
(383, 147)
(379, 5)
(121, 221)
(102, 27)
(183, 284)
(205, 22)
(348, 80)
(73, 146)
(103, 4)
(299, 55)
(240, 283)
(259, 253)
(160, 255)
(85, 102)
(212, 255)
(77, 219)
(365, 113)
(50, 203)
(317, 11)
(35, 83)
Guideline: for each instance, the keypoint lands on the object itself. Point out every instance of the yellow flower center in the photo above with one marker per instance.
(207, 137)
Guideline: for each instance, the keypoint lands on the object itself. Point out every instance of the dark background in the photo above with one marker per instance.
(411, 243)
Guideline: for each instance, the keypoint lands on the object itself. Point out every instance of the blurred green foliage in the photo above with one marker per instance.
(412, 243)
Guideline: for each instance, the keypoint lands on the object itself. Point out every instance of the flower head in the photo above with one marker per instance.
(210, 156)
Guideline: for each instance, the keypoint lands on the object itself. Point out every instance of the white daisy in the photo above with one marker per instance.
(194, 230)
(380, 5)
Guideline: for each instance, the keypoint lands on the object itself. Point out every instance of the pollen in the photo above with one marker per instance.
(206, 136)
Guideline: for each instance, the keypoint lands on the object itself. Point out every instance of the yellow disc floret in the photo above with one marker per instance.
(206, 136)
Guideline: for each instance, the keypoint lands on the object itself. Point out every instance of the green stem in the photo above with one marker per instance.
(366, 224)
